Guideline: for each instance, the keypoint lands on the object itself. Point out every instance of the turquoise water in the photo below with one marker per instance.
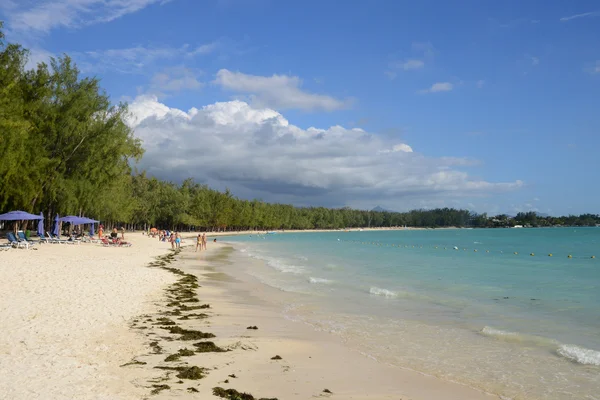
(520, 325)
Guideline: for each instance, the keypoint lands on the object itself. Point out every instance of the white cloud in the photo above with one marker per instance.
(175, 79)
(278, 91)
(47, 15)
(594, 69)
(583, 15)
(257, 152)
(412, 64)
(139, 58)
(439, 87)
(204, 49)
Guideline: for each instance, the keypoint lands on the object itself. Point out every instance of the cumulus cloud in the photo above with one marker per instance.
(439, 87)
(44, 16)
(257, 152)
(278, 91)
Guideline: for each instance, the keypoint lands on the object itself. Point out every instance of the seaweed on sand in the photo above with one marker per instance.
(156, 347)
(164, 321)
(232, 394)
(179, 354)
(191, 373)
(208, 347)
(276, 358)
(192, 390)
(183, 307)
(133, 362)
(186, 372)
(158, 388)
(188, 334)
(194, 316)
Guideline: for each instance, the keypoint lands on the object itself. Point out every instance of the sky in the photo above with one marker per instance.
(486, 105)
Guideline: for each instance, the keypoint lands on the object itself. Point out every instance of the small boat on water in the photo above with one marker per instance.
(271, 232)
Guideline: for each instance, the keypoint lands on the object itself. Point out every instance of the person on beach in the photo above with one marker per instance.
(204, 241)
(172, 240)
(101, 231)
(199, 242)
(123, 232)
(114, 235)
(178, 240)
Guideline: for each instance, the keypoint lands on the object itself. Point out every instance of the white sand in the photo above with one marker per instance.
(64, 312)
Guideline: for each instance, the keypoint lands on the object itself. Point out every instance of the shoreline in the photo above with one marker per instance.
(79, 328)
(281, 358)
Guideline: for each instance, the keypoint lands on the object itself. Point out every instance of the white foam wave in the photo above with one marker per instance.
(382, 292)
(580, 355)
(303, 258)
(488, 331)
(319, 280)
(283, 267)
(577, 354)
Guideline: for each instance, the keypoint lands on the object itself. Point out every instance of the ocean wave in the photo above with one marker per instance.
(303, 258)
(574, 353)
(319, 280)
(283, 267)
(579, 355)
(382, 292)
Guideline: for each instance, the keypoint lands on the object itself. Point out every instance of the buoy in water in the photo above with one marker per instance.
(532, 254)
(550, 255)
(516, 252)
(569, 256)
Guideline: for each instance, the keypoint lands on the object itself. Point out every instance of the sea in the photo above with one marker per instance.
(513, 312)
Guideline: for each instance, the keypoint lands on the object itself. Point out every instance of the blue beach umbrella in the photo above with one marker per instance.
(18, 216)
(40, 229)
(56, 230)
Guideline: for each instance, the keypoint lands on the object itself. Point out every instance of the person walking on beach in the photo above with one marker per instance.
(172, 240)
(204, 240)
(101, 231)
(199, 242)
(178, 240)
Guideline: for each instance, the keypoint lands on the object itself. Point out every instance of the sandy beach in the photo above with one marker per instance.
(88, 322)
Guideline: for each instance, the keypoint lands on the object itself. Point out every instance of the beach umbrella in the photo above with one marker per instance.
(72, 219)
(56, 229)
(18, 216)
(40, 230)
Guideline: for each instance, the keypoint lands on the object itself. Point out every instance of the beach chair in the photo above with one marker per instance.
(22, 238)
(62, 241)
(16, 242)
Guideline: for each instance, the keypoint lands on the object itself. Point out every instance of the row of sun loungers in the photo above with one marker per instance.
(21, 242)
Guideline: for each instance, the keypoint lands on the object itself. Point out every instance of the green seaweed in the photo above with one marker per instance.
(133, 362)
(208, 347)
(276, 358)
(191, 373)
(164, 321)
(232, 394)
(179, 354)
(188, 334)
(159, 388)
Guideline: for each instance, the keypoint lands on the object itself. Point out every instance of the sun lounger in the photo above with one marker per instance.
(16, 242)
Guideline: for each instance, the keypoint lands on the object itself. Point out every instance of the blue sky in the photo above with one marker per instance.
(487, 105)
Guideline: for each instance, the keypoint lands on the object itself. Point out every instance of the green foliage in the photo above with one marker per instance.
(64, 147)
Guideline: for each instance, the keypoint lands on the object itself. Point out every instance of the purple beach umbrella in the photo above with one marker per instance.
(40, 228)
(19, 216)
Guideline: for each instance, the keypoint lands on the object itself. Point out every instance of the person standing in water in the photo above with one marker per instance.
(199, 242)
